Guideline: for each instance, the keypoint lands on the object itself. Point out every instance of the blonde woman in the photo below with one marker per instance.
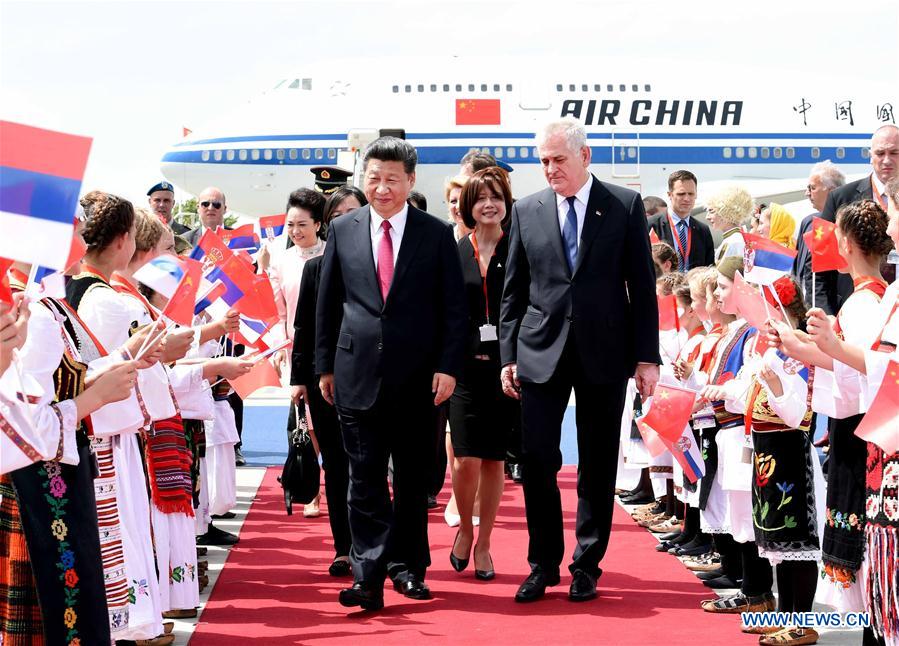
(727, 211)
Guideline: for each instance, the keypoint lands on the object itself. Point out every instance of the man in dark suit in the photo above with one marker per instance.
(579, 310)
(690, 238)
(837, 287)
(823, 178)
(391, 323)
(211, 208)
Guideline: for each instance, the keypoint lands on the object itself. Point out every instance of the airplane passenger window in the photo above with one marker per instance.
(280, 154)
(522, 152)
(635, 87)
(307, 84)
(585, 87)
(486, 149)
(510, 152)
(204, 155)
(753, 152)
(421, 88)
(791, 153)
(319, 153)
(458, 87)
(433, 87)
(647, 88)
(841, 152)
(396, 88)
(508, 87)
(267, 154)
(631, 152)
(610, 88)
(534, 152)
(408, 88)
(254, 154)
(816, 152)
(571, 87)
(496, 87)
(242, 155)
(217, 155)
(727, 152)
(306, 153)
(558, 87)
(229, 155)
(471, 87)
(740, 152)
(866, 153)
(778, 152)
(483, 87)
(622, 87)
(332, 153)
(293, 153)
(597, 87)
(446, 87)
(498, 152)
(765, 153)
(294, 84)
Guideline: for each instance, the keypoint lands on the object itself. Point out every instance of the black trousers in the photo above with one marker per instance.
(389, 535)
(598, 417)
(236, 404)
(334, 463)
(438, 473)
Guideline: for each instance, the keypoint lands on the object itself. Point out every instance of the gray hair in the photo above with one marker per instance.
(573, 130)
(392, 149)
(831, 176)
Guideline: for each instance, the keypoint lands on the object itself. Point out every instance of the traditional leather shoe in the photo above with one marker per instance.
(216, 536)
(583, 587)
(515, 472)
(362, 596)
(458, 564)
(412, 587)
(168, 627)
(535, 585)
(161, 640)
(339, 567)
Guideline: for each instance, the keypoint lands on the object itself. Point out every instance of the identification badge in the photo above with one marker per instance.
(704, 422)
(747, 450)
(488, 333)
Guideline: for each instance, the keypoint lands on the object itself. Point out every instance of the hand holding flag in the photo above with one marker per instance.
(670, 411)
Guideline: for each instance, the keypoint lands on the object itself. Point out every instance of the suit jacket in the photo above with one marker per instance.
(375, 347)
(833, 287)
(178, 229)
(702, 247)
(193, 236)
(608, 302)
(302, 365)
(802, 263)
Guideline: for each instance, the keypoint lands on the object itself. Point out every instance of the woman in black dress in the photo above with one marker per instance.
(480, 416)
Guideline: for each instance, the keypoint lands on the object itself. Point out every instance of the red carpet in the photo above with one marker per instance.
(275, 589)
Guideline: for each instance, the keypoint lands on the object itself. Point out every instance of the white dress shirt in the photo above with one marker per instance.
(580, 207)
(397, 226)
(880, 188)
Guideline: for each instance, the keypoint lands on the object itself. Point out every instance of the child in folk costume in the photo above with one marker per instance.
(729, 507)
(837, 392)
(880, 572)
(788, 485)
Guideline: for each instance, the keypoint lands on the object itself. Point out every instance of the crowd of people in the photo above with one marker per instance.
(413, 344)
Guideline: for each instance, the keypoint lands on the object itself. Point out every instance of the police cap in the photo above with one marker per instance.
(329, 178)
(161, 186)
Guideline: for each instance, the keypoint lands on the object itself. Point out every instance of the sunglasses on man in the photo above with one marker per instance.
(206, 204)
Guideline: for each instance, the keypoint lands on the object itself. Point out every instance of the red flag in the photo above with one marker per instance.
(180, 307)
(653, 237)
(668, 316)
(185, 131)
(670, 411)
(477, 112)
(5, 290)
(261, 375)
(651, 439)
(211, 248)
(258, 300)
(76, 250)
(880, 425)
(821, 241)
(752, 305)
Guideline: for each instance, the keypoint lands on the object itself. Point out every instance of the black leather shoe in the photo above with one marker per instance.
(711, 574)
(515, 472)
(583, 587)
(722, 583)
(671, 535)
(339, 567)
(228, 515)
(535, 585)
(665, 546)
(687, 550)
(637, 499)
(485, 575)
(457, 563)
(363, 596)
(239, 459)
(216, 536)
(412, 587)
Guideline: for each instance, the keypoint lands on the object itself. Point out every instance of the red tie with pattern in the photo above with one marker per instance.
(385, 260)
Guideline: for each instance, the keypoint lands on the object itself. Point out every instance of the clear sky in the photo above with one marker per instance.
(132, 74)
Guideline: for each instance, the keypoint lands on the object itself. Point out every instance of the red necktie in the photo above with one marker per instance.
(385, 260)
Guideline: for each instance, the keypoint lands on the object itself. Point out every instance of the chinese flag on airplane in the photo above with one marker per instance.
(880, 425)
(477, 112)
(261, 375)
(668, 317)
(670, 411)
(821, 241)
(653, 237)
(180, 307)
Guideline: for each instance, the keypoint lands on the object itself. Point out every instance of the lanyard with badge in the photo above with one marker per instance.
(487, 331)
(684, 253)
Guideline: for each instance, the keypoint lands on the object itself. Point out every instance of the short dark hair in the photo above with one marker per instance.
(652, 203)
(494, 179)
(681, 176)
(308, 200)
(392, 149)
(418, 200)
(108, 217)
(664, 252)
(335, 199)
(478, 160)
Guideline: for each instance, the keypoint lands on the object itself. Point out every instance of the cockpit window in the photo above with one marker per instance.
(307, 84)
(295, 84)
(280, 83)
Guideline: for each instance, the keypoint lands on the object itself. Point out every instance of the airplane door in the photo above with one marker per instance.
(534, 96)
(625, 154)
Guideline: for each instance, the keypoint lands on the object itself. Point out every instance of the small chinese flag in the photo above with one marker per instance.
(821, 241)
(651, 439)
(261, 375)
(670, 411)
(5, 290)
(180, 307)
(477, 112)
(880, 425)
(752, 305)
(653, 237)
(668, 316)
(185, 131)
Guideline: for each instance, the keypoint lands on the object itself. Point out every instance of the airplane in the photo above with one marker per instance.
(641, 126)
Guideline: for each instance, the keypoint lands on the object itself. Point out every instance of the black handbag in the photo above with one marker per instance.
(301, 475)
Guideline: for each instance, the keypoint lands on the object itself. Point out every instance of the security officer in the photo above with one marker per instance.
(162, 201)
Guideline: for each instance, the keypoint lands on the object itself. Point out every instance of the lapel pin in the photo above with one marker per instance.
(599, 213)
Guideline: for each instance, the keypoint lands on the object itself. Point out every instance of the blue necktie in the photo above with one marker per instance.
(569, 234)
(682, 236)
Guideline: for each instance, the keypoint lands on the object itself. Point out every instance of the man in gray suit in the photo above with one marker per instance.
(211, 208)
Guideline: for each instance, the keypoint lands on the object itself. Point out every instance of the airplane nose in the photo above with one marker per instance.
(172, 169)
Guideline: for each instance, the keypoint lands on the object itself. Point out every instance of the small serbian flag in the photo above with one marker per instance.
(45, 283)
(231, 293)
(243, 237)
(40, 178)
(271, 226)
(880, 425)
(686, 452)
(477, 112)
(211, 249)
(653, 237)
(668, 314)
(163, 274)
(180, 307)
(764, 260)
(821, 240)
